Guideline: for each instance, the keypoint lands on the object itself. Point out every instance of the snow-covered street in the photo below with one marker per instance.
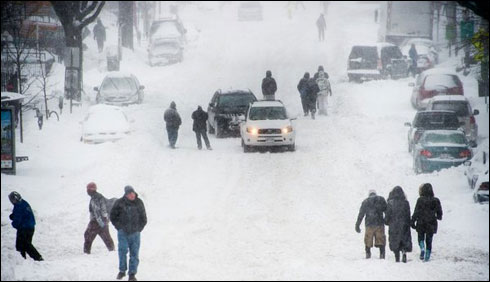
(226, 215)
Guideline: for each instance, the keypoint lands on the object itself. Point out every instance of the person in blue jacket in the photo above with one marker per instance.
(23, 220)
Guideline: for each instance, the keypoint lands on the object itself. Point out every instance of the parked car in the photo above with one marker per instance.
(250, 11)
(104, 123)
(383, 60)
(440, 149)
(481, 190)
(165, 51)
(119, 88)
(168, 28)
(477, 167)
(266, 123)
(225, 108)
(430, 120)
(461, 106)
(434, 82)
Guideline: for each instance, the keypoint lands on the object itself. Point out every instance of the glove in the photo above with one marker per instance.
(413, 225)
(11, 217)
(358, 229)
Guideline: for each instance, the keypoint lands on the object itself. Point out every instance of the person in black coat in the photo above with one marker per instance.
(412, 53)
(303, 91)
(269, 86)
(99, 35)
(312, 90)
(397, 217)
(128, 216)
(373, 208)
(428, 211)
(173, 122)
(199, 126)
(23, 220)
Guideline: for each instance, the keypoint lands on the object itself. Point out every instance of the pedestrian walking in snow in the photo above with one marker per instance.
(269, 86)
(412, 53)
(99, 220)
(428, 211)
(99, 35)
(397, 218)
(302, 88)
(321, 69)
(199, 126)
(373, 208)
(321, 25)
(311, 96)
(325, 90)
(129, 218)
(173, 122)
(23, 220)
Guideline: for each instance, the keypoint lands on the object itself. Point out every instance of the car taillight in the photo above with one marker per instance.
(380, 64)
(472, 120)
(426, 94)
(465, 154)
(484, 186)
(456, 90)
(426, 153)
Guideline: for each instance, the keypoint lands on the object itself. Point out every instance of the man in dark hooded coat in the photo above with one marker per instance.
(269, 86)
(397, 217)
(173, 122)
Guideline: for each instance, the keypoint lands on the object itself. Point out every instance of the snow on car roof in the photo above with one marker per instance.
(384, 44)
(118, 74)
(268, 104)
(444, 132)
(439, 71)
(449, 98)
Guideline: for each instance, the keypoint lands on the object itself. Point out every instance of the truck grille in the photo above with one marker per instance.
(270, 131)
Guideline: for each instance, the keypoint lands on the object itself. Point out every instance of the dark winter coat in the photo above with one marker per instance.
(130, 216)
(99, 32)
(200, 118)
(373, 208)
(312, 90)
(427, 211)
(99, 208)
(320, 22)
(412, 53)
(397, 217)
(172, 118)
(269, 86)
(22, 216)
(302, 86)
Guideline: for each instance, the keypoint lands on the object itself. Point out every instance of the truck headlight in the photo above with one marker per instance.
(287, 129)
(252, 130)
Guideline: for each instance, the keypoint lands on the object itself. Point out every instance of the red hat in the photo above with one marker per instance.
(91, 186)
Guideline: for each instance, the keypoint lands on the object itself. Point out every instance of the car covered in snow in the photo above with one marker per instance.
(439, 149)
(267, 124)
(433, 82)
(225, 109)
(119, 88)
(430, 120)
(379, 61)
(165, 51)
(250, 11)
(167, 28)
(481, 193)
(104, 123)
(461, 106)
(477, 167)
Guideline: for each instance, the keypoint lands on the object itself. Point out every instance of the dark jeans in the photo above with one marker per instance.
(100, 45)
(23, 244)
(204, 135)
(94, 229)
(427, 237)
(129, 242)
(173, 134)
(304, 103)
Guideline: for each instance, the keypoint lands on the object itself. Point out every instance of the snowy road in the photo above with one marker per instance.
(223, 214)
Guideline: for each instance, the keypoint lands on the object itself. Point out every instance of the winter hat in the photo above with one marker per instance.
(128, 189)
(92, 186)
(320, 68)
(199, 108)
(307, 75)
(173, 105)
(268, 73)
(14, 197)
(372, 192)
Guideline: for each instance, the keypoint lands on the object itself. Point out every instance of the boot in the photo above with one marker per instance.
(312, 115)
(120, 275)
(397, 256)
(404, 257)
(422, 250)
(382, 252)
(368, 253)
(427, 255)
(132, 277)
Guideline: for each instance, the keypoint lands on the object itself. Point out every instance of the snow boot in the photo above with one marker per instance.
(422, 250)
(368, 253)
(209, 148)
(397, 256)
(132, 277)
(120, 275)
(404, 257)
(382, 252)
(427, 255)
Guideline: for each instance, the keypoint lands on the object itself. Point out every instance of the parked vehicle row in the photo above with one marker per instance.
(477, 175)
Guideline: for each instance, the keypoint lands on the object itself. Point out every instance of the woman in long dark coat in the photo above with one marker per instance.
(397, 217)
(428, 211)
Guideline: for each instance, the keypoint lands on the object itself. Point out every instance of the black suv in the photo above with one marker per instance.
(225, 109)
(430, 120)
